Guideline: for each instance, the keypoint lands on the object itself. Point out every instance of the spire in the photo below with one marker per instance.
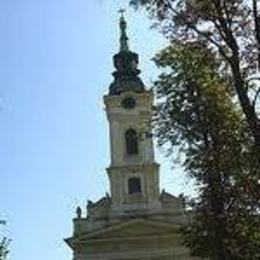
(125, 61)
(123, 35)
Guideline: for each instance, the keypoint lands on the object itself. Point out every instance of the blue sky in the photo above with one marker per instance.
(55, 66)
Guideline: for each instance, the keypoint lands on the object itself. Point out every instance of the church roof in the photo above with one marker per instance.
(133, 228)
(126, 75)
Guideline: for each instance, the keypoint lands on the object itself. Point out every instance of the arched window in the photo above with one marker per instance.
(131, 142)
(134, 185)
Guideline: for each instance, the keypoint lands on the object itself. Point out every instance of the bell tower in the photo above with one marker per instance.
(135, 221)
(133, 172)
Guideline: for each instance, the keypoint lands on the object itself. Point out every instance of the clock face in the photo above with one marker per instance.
(128, 103)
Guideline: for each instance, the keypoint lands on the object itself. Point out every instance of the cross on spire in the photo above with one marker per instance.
(123, 35)
(125, 62)
(122, 11)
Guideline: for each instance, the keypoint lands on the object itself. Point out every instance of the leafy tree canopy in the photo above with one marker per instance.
(197, 114)
(4, 244)
(231, 30)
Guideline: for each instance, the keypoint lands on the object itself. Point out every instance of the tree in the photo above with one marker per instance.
(231, 29)
(4, 244)
(197, 114)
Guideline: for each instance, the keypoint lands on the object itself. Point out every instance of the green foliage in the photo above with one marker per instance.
(197, 114)
(4, 245)
(230, 29)
(209, 109)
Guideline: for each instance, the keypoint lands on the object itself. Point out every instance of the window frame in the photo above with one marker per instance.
(134, 185)
(131, 142)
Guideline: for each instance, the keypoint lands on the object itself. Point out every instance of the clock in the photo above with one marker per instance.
(128, 103)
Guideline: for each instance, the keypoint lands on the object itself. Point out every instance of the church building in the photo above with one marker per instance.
(134, 221)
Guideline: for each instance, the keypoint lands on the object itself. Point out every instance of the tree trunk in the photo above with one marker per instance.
(257, 29)
(248, 109)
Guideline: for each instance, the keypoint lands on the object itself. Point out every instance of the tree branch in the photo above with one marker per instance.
(255, 98)
(229, 37)
(257, 29)
(199, 32)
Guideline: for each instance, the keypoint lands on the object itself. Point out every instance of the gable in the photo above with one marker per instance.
(131, 229)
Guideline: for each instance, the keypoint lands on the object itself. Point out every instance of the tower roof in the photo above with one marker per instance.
(125, 61)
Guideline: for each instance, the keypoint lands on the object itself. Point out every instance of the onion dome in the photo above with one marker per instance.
(125, 61)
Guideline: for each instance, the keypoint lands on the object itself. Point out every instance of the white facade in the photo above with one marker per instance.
(140, 165)
(135, 221)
